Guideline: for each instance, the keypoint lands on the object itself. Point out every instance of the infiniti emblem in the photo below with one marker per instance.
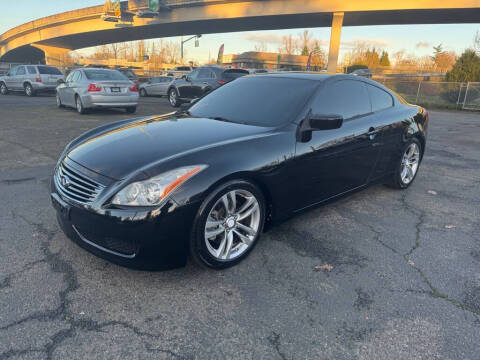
(65, 181)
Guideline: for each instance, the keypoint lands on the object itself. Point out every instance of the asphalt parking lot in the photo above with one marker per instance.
(383, 274)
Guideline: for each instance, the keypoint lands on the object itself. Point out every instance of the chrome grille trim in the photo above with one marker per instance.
(81, 190)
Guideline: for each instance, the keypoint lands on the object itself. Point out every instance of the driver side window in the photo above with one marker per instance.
(348, 98)
(193, 75)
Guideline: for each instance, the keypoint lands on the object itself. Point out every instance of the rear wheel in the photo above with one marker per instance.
(79, 106)
(228, 225)
(3, 89)
(29, 90)
(408, 165)
(143, 93)
(131, 109)
(173, 98)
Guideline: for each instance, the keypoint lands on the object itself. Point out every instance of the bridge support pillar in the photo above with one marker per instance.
(53, 55)
(335, 35)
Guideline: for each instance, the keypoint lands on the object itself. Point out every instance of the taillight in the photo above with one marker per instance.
(38, 79)
(221, 82)
(134, 88)
(94, 88)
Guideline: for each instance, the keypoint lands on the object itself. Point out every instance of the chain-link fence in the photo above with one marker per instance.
(453, 95)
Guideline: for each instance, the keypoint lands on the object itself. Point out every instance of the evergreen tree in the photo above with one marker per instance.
(467, 68)
(384, 59)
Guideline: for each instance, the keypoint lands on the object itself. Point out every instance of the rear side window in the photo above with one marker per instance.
(104, 75)
(380, 98)
(347, 98)
(21, 70)
(31, 70)
(205, 74)
(234, 73)
(49, 70)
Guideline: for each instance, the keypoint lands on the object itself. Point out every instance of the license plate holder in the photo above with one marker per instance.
(115, 89)
(61, 206)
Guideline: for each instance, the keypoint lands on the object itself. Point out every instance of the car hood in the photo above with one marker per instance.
(117, 152)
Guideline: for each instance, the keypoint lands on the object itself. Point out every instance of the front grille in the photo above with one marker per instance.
(75, 186)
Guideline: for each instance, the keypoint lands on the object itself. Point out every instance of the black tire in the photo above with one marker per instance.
(131, 109)
(59, 101)
(173, 98)
(29, 90)
(3, 89)
(143, 93)
(198, 247)
(79, 105)
(396, 181)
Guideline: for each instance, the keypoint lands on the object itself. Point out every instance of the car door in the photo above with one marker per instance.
(69, 89)
(333, 162)
(162, 85)
(204, 82)
(19, 78)
(10, 78)
(62, 89)
(186, 87)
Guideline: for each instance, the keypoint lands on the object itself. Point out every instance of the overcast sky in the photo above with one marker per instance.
(417, 39)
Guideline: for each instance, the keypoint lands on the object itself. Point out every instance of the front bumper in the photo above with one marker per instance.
(145, 239)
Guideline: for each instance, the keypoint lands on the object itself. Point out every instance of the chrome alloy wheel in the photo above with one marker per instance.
(410, 161)
(173, 97)
(79, 105)
(232, 224)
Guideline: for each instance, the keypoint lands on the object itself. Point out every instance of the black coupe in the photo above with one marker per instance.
(205, 180)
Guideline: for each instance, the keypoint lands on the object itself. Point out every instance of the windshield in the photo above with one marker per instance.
(104, 75)
(48, 70)
(261, 101)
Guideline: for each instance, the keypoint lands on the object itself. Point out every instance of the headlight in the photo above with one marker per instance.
(152, 191)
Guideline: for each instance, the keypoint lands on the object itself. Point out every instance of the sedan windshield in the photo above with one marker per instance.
(261, 101)
(104, 75)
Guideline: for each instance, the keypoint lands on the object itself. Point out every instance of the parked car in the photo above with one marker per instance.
(130, 75)
(93, 88)
(157, 85)
(146, 192)
(180, 71)
(362, 72)
(201, 81)
(30, 79)
(257, 71)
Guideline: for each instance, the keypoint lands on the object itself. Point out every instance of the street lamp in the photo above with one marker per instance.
(191, 38)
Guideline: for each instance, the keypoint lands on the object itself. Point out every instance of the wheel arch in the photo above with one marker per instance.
(254, 179)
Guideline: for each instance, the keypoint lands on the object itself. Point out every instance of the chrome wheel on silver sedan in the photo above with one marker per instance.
(410, 162)
(232, 224)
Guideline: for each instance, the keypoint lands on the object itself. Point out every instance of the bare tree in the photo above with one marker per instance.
(289, 45)
(261, 46)
(305, 42)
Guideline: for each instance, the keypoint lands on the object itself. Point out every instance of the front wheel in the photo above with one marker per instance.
(131, 109)
(29, 90)
(408, 164)
(59, 101)
(173, 98)
(3, 89)
(228, 225)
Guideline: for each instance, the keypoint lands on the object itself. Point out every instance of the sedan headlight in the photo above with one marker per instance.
(152, 191)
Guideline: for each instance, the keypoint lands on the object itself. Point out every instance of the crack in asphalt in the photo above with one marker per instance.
(274, 340)
(421, 214)
(59, 265)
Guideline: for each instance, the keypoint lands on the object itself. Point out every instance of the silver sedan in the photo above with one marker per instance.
(156, 86)
(94, 88)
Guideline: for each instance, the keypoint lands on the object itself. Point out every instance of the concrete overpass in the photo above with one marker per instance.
(53, 36)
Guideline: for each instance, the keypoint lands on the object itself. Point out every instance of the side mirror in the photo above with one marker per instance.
(187, 78)
(325, 122)
(60, 81)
